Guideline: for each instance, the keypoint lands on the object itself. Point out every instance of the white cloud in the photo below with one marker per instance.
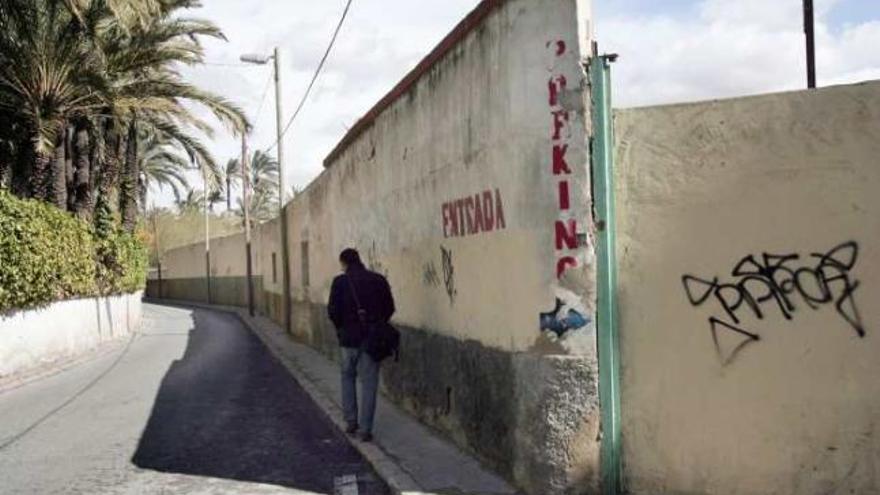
(732, 49)
(380, 42)
(717, 48)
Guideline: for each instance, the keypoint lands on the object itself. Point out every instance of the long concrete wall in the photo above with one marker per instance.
(63, 330)
(468, 186)
(749, 279)
(184, 268)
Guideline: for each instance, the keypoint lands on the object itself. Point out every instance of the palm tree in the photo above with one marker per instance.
(193, 201)
(214, 196)
(231, 173)
(48, 75)
(263, 208)
(263, 175)
(161, 166)
(150, 92)
(82, 82)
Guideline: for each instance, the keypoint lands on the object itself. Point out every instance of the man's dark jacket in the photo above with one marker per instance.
(374, 295)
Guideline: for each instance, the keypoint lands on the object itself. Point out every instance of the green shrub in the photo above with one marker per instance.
(47, 255)
(122, 263)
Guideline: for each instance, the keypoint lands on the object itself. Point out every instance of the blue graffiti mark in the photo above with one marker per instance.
(561, 324)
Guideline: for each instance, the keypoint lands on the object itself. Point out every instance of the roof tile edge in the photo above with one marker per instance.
(464, 28)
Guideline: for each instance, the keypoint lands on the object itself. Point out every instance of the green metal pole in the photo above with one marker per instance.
(609, 355)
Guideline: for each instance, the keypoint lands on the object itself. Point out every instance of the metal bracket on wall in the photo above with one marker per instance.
(599, 68)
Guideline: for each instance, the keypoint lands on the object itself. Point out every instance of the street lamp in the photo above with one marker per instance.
(198, 163)
(285, 258)
(252, 58)
(246, 200)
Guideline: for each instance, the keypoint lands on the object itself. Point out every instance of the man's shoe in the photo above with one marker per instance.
(351, 429)
(366, 437)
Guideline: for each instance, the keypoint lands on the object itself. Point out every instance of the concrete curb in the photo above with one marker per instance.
(48, 370)
(398, 480)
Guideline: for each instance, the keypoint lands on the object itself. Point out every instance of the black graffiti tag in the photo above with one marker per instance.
(373, 261)
(783, 283)
(430, 277)
(448, 274)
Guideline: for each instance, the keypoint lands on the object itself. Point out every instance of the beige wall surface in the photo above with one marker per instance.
(470, 191)
(227, 259)
(452, 193)
(749, 279)
(266, 242)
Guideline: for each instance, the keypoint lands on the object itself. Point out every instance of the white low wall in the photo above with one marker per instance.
(64, 329)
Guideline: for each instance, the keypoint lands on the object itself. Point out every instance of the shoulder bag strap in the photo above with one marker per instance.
(362, 314)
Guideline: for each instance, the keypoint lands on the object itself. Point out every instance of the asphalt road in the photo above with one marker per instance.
(194, 403)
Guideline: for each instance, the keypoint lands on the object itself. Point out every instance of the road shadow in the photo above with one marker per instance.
(228, 409)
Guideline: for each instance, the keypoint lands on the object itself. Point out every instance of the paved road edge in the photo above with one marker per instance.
(63, 364)
(398, 480)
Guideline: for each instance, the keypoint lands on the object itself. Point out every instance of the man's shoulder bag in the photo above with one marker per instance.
(383, 340)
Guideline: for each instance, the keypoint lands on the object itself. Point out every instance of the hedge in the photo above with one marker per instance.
(47, 255)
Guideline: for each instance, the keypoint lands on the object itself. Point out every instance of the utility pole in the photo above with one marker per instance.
(809, 31)
(279, 132)
(285, 253)
(158, 246)
(246, 199)
(207, 235)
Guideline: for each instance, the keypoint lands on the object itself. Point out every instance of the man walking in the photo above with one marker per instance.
(358, 299)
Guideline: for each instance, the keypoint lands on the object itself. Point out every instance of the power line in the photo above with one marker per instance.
(314, 78)
(263, 99)
(222, 64)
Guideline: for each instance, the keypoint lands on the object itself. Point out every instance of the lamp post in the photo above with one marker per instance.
(158, 246)
(246, 200)
(279, 122)
(206, 199)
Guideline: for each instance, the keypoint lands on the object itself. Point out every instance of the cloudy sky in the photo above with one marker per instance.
(671, 50)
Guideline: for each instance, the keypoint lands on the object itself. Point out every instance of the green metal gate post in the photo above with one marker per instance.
(603, 195)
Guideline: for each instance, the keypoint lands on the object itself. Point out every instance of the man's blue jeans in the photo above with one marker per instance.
(369, 372)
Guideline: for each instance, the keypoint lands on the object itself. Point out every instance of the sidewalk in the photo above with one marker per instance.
(406, 454)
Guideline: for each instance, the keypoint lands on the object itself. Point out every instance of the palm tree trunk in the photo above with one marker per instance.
(59, 173)
(82, 176)
(22, 170)
(109, 178)
(5, 170)
(94, 164)
(142, 192)
(228, 193)
(69, 169)
(128, 192)
(39, 177)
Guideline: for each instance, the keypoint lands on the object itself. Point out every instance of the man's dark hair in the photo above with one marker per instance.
(350, 257)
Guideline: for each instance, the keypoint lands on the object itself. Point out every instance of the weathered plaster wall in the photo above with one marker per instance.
(454, 192)
(267, 250)
(468, 186)
(757, 373)
(183, 271)
(227, 259)
(479, 123)
(63, 330)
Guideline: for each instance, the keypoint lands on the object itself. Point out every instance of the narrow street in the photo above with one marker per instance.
(194, 403)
